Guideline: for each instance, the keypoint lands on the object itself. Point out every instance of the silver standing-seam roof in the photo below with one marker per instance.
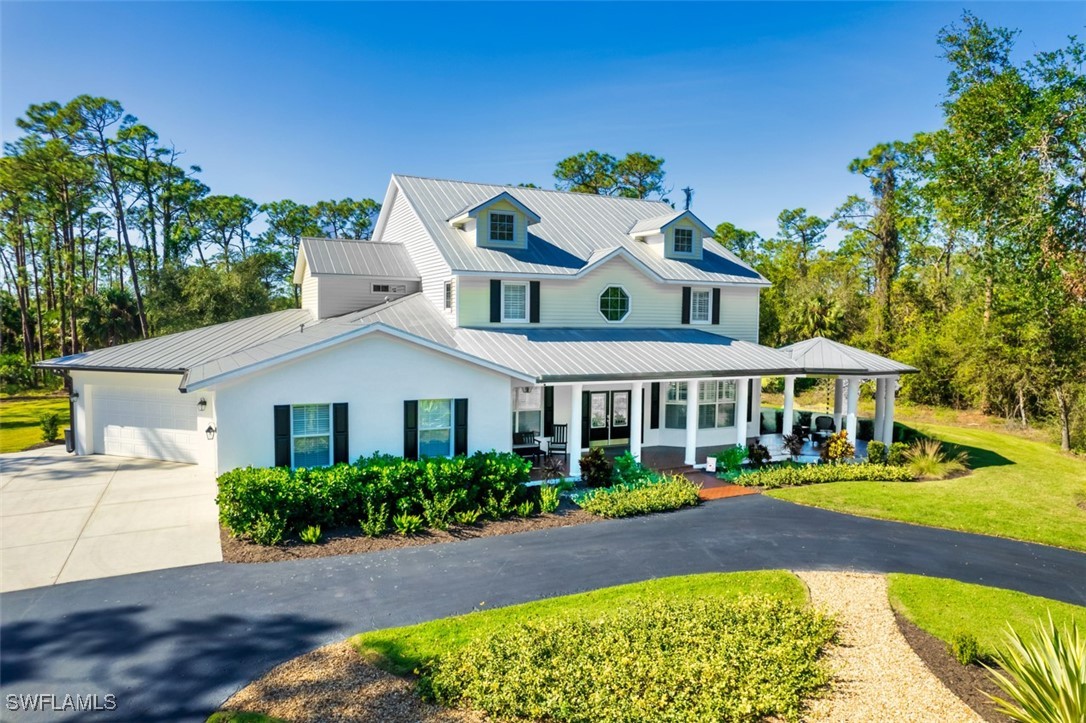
(357, 258)
(572, 228)
(823, 356)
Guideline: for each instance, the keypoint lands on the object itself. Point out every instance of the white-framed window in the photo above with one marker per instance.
(716, 404)
(448, 295)
(614, 303)
(528, 409)
(684, 241)
(701, 306)
(311, 435)
(675, 406)
(514, 301)
(435, 427)
(502, 227)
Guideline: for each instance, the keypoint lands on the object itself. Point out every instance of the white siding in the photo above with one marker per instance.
(374, 375)
(309, 293)
(575, 303)
(343, 294)
(403, 226)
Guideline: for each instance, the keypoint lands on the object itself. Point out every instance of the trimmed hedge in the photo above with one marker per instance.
(265, 503)
(662, 494)
(663, 660)
(792, 475)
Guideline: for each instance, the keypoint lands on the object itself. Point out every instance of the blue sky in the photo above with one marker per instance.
(758, 107)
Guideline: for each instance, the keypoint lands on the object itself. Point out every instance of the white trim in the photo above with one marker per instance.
(675, 241)
(490, 227)
(350, 336)
(327, 436)
(473, 211)
(527, 302)
(708, 320)
(629, 303)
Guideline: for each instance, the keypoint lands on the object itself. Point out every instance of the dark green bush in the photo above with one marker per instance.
(661, 660)
(791, 475)
(15, 374)
(270, 502)
(596, 469)
(877, 452)
(896, 455)
(965, 648)
(661, 494)
(732, 458)
(865, 429)
(50, 422)
(628, 470)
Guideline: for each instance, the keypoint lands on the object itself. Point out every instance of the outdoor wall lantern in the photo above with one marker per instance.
(73, 395)
(210, 431)
(201, 405)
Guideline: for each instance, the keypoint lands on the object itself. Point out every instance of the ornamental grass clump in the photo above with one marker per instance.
(659, 494)
(928, 460)
(1045, 677)
(661, 660)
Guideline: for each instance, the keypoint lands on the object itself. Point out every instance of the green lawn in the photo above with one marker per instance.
(945, 607)
(1019, 488)
(19, 427)
(403, 650)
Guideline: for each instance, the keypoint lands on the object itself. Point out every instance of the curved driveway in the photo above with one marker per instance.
(172, 645)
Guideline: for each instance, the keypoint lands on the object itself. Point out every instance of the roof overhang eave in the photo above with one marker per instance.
(665, 376)
(93, 368)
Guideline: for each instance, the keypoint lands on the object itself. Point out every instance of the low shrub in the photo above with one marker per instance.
(794, 444)
(596, 469)
(1044, 677)
(896, 454)
(50, 422)
(549, 499)
(268, 529)
(837, 448)
(758, 454)
(627, 470)
(467, 517)
(792, 475)
(665, 493)
(965, 648)
(311, 535)
(375, 522)
(876, 452)
(662, 660)
(732, 458)
(927, 459)
(406, 524)
(525, 509)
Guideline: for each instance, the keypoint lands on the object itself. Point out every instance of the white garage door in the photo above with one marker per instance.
(151, 423)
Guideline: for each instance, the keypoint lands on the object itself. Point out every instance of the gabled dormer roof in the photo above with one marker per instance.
(660, 224)
(574, 229)
(472, 211)
(349, 257)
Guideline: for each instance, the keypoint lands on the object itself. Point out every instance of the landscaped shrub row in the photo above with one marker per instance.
(666, 660)
(654, 494)
(791, 475)
(264, 504)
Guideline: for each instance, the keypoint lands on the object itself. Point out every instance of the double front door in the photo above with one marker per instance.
(607, 417)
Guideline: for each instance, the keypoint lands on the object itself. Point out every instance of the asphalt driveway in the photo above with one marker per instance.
(65, 518)
(172, 645)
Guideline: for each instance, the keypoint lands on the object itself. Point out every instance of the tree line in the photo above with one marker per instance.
(965, 257)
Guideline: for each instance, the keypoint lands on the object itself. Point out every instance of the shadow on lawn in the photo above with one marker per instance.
(168, 672)
(979, 457)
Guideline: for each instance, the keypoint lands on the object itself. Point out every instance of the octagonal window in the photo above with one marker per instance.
(614, 303)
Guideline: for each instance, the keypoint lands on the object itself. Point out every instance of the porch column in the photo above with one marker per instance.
(741, 400)
(853, 404)
(838, 402)
(789, 402)
(880, 407)
(636, 419)
(888, 414)
(691, 456)
(574, 433)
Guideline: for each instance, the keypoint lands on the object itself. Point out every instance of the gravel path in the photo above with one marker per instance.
(877, 676)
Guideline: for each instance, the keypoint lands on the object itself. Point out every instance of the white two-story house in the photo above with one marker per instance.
(474, 313)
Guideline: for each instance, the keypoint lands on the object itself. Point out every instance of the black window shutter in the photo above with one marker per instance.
(686, 304)
(460, 418)
(411, 429)
(339, 433)
(750, 399)
(495, 301)
(548, 411)
(533, 302)
(716, 306)
(654, 406)
(586, 414)
(282, 435)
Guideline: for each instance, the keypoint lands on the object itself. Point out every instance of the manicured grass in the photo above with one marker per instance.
(404, 650)
(230, 716)
(945, 607)
(1019, 488)
(19, 426)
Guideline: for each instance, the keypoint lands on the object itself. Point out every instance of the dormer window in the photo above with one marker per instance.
(684, 241)
(502, 227)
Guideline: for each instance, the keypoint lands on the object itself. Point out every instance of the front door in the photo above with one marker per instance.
(607, 417)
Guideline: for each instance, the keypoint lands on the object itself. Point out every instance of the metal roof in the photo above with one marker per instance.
(572, 227)
(358, 258)
(823, 356)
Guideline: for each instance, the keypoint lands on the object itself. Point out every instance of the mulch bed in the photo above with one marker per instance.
(350, 540)
(965, 681)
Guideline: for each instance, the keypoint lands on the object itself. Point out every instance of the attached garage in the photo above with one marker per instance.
(150, 423)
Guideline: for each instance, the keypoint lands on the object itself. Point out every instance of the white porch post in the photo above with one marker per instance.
(838, 402)
(691, 455)
(888, 414)
(853, 404)
(880, 407)
(741, 400)
(636, 419)
(789, 403)
(573, 435)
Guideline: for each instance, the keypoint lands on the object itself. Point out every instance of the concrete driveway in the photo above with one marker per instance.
(66, 518)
